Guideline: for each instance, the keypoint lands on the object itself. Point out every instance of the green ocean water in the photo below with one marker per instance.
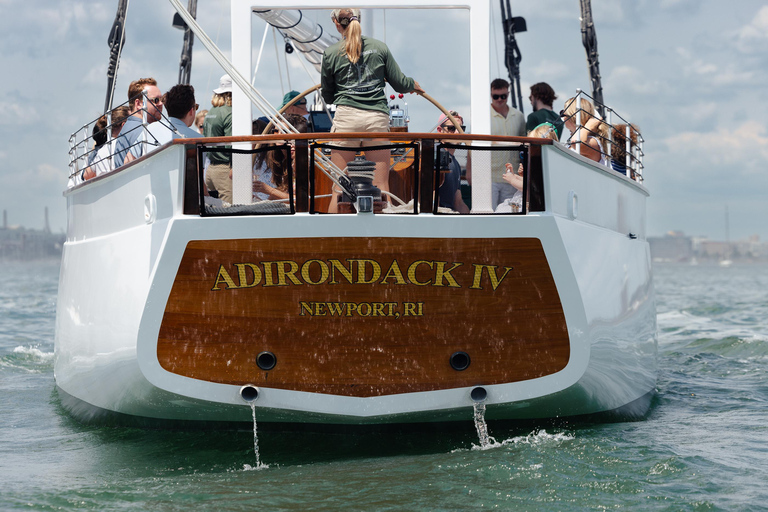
(703, 446)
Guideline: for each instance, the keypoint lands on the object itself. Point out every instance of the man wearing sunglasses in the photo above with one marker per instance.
(128, 146)
(181, 108)
(504, 121)
(450, 183)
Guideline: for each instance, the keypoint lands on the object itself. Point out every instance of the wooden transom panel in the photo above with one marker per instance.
(364, 316)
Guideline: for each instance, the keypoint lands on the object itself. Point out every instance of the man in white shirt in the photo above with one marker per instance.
(504, 121)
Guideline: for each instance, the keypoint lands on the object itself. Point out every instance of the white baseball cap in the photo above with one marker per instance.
(225, 85)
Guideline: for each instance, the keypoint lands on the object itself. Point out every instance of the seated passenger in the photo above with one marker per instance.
(619, 147)
(102, 163)
(450, 187)
(543, 131)
(199, 119)
(181, 107)
(270, 173)
(591, 134)
(129, 144)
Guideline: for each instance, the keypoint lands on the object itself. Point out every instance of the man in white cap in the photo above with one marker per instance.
(218, 123)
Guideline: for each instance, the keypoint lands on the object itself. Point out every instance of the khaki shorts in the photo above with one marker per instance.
(350, 119)
(217, 178)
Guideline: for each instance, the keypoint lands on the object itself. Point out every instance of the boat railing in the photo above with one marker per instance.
(621, 143)
(404, 173)
(92, 146)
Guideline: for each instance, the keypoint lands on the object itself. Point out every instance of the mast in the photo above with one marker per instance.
(185, 63)
(116, 41)
(589, 38)
(512, 55)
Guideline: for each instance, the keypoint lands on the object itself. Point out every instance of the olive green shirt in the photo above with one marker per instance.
(361, 85)
(218, 123)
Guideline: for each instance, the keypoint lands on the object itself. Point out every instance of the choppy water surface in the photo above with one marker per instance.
(704, 445)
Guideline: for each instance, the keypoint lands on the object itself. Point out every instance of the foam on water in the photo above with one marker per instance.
(34, 353)
(29, 359)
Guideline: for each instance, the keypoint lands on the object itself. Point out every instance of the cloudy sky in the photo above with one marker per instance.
(691, 73)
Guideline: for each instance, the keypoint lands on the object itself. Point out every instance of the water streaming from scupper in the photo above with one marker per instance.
(259, 464)
(485, 438)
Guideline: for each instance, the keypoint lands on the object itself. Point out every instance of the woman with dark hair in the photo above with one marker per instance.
(270, 168)
(619, 147)
(100, 160)
(352, 77)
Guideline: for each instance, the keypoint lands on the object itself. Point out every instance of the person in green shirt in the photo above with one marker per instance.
(218, 123)
(352, 77)
(542, 97)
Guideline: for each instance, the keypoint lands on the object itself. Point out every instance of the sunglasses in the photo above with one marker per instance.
(156, 101)
(452, 129)
(499, 96)
(196, 107)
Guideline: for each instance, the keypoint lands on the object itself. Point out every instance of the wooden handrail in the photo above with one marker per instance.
(391, 136)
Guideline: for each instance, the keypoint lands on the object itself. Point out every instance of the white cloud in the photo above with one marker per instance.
(633, 80)
(14, 114)
(678, 4)
(753, 37)
(702, 112)
(693, 65)
(744, 150)
(42, 178)
(551, 69)
(715, 74)
(46, 173)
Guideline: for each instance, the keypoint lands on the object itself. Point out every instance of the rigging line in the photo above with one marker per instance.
(253, 94)
(261, 51)
(301, 61)
(210, 69)
(277, 58)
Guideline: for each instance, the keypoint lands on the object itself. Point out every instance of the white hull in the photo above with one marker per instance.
(127, 236)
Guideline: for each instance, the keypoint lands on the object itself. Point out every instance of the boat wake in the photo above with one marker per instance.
(535, 438)
(30, 358)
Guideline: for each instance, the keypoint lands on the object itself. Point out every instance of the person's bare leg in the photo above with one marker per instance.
(339, 159)
(381, 173)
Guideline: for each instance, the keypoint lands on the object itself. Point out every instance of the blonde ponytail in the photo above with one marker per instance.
(353, 44)
(353, 32)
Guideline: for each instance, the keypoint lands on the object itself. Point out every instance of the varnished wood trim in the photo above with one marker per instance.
(213, 332)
